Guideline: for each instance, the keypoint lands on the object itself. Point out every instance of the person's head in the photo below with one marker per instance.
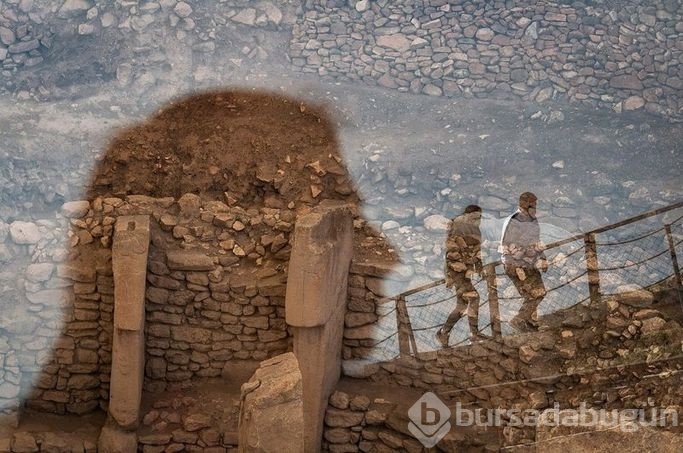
(474, 212)
(527, 203)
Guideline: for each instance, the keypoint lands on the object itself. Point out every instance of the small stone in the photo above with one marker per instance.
(556, 116)
(182, 9)
(337, 418)
(544, 94)
(40, 272)
(75, 209)
(432, 90)
(531, 31)
(634, 297)
(273, 13)
(362, 6)
(633, 103)
(359, 403)
(652, 325)
(86, 29)
(390, 225)
(247, 16)
(397, 42)
(23, 233)
(630, 82)
(195, 422)
(361, 369)
(436, 223)
(555, 17)
(418, 43)
(7, 36)
(150, 417)
(190, 205)
(558, 164)
(185, 260)
(538, 399)
(340, 400)
(484, 34)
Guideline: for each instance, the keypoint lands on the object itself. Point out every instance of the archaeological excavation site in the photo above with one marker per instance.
(341, 226)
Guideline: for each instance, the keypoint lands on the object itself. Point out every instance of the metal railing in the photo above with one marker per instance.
(583, 269)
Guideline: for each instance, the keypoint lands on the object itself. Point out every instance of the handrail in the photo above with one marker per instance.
(613, 226)
(577, 237)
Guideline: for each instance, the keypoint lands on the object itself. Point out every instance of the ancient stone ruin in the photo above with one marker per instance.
(225, 270)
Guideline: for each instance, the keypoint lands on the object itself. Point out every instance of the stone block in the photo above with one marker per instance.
(127, 371)
(185, 260)
(319, 264)
(115, 440)
(271, 416)
(23, 442)
(129, 262)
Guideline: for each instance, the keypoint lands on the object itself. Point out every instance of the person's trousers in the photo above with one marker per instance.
(529, 284)
(467, 303)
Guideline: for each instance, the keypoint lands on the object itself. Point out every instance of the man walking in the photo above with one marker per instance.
(522, 257)
(463, 259)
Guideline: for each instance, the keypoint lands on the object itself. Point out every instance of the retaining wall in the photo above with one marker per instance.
(215, 292)
(620, 55)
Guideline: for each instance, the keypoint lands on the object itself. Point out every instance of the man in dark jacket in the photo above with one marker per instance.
(463, 259)
(522, 257)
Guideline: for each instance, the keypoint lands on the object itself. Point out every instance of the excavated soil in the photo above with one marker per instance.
(245, 148)
(242, 145)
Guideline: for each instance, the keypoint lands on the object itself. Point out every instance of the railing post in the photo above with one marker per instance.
(591, 252)
(674, 261)
(492, 290)
(405, 330)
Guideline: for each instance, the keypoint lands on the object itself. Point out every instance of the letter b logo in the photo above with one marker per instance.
(429, 419)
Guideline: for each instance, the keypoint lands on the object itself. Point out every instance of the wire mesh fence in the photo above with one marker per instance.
(629, 256)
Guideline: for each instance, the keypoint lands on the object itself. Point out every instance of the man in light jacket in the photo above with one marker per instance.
(523, 257)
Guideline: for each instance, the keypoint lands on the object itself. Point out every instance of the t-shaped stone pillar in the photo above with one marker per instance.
(129, 261)
(315, 306)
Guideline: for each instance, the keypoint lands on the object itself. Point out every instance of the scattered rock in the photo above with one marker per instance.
(72, 8)
(182, 9)
(75, 209)
(633, 103)
(24, 233)
(436, 223)
(247, 16)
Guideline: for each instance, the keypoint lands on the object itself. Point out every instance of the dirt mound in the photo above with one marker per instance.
(251, 148)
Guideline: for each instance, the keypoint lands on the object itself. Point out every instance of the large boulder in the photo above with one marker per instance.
(271, 414)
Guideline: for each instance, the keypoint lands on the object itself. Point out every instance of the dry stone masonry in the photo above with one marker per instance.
(209, 298)
(624, 56)
(615, 55)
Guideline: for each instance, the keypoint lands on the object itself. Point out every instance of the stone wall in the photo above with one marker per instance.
(57, 292)
(360, 423)
(624, 56)
(215, 292)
